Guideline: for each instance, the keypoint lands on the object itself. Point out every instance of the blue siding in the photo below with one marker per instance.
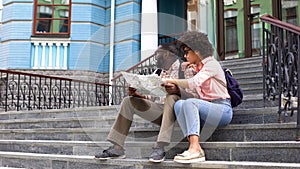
(90, 35)
(4, 55)
(101, 3)
(127, 30)
(20, 58)
(17, 12)
(124, 1)
(86, 56)
(88, 13)
(16, 30)
(4, 2)
(107, 17)
(87, 32)
(104, 65)
(130, 11)
(126, 55)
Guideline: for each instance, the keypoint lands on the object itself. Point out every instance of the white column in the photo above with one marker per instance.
(57, 55)
(65, 55)
(36, 55)
(43, 55)
(149, 28)
(111, 47)
(50, 63)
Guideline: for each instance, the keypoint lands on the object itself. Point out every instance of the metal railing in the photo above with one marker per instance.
(281, 58)
(25, 91)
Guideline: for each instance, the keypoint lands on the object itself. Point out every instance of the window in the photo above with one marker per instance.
(231, 43)
(291, 15)
(51, 17)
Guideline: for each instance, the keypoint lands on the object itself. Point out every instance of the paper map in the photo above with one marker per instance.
(146, 84)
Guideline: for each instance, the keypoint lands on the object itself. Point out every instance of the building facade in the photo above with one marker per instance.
(112, 35)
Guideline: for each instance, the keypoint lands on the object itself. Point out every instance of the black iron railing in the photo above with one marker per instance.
(25, 91)
(281, 58)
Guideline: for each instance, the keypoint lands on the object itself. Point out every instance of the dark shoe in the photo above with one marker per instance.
(158, 155)
(111, 153)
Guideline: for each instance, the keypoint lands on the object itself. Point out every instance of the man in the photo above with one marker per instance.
(145, 107)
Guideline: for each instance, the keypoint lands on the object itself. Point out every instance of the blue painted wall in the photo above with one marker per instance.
(89, 38)
(15, 34)
(127, 34)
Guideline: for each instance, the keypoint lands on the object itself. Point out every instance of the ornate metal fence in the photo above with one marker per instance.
(25, 91)
(281, 58)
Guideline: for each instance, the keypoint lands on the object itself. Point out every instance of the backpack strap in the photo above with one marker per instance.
(220, 81)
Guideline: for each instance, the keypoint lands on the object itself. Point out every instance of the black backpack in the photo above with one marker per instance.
(233, 87)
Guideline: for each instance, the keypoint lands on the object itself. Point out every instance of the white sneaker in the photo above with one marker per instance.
(187, 157)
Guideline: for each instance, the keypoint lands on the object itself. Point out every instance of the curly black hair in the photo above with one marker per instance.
(198, 42)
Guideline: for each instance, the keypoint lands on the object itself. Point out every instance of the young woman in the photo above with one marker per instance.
(213, 108)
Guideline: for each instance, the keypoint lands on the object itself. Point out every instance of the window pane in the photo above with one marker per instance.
(290, 11)
(61, 13)
(44, 12)
(43, 26)
(44, 1)
(62, 2)
(63, 26)
(52, 17)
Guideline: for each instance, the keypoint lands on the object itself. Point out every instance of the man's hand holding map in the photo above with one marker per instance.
(146, 84)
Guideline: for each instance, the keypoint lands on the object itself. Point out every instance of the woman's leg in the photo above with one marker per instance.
(193, 113)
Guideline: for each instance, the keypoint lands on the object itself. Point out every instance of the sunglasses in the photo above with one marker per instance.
(185, 52)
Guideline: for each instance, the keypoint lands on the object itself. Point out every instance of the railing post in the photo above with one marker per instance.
(298, 90)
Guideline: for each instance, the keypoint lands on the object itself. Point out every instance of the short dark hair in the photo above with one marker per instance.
(198, 42)
(166, 55)
(168, 47)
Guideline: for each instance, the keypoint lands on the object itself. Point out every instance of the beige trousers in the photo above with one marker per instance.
(161, 114)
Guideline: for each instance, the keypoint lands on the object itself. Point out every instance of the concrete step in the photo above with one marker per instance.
(69, 122)
(107, 114)
(232, 132)
(10, 168)
(51, 161)
(241, 61)
(267, 151)
(96, 111)
(94, 118)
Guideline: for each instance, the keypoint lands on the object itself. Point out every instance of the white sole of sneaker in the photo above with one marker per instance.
(194, 160)
(156, 161)
(107, 158)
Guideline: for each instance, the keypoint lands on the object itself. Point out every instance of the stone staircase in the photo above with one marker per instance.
(69, 139)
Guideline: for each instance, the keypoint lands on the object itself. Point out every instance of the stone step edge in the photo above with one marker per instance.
(10, 168)
(207, 144)
(292, 125)
(144, 162)
(99, 108)
(270, 110)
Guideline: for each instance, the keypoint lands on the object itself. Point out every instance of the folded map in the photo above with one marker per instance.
(146, 84)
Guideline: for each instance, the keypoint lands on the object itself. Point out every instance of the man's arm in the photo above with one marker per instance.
(171, 88)
(133, 92)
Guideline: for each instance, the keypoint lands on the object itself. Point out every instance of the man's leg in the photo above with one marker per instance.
(166, 129)
(131, 105)
(168, 119)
